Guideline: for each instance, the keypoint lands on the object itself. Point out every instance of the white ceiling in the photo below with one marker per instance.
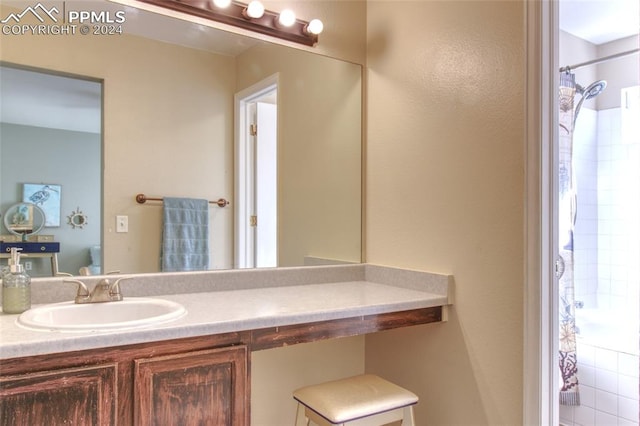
(600, 21)
(34, 99)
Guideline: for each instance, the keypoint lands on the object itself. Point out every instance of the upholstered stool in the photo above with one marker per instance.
(354, 399)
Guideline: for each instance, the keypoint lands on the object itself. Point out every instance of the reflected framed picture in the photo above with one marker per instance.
(45, 196)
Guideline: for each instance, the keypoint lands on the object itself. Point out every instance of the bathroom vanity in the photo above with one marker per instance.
(199, 365)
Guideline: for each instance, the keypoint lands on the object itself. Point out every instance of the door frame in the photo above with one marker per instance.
(243, 172)
(540, 356)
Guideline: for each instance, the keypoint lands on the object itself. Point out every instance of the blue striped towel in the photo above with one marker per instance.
(185, 235)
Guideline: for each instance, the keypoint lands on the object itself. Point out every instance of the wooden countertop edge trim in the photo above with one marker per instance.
(274, 337)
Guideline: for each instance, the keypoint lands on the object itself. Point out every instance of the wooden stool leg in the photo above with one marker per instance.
(301, 418)
(408, 418)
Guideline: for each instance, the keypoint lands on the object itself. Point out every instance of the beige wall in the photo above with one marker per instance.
(319, 173)
(276, 373)
(445, 142)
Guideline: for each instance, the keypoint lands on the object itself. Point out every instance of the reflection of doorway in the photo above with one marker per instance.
(256, 229)
(51, 136)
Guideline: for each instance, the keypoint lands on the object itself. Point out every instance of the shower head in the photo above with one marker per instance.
(592, 90)
(589, 92)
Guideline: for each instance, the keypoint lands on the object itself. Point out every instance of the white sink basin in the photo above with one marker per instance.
(131, 312)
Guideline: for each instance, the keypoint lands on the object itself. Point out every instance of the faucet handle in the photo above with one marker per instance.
(83, 292)
(114, 289)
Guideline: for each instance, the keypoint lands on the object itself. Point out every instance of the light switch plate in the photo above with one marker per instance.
(122, 223)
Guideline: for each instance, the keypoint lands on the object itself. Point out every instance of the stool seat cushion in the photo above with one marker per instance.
(355, 397)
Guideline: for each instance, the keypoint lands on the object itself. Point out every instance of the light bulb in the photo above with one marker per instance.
(287, 18)
(222, 3)
(255, 10)
(315, 27)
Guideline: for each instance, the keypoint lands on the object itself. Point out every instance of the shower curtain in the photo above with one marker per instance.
(569, 394)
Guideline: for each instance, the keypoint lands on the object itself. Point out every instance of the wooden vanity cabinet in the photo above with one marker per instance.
(74, 396)
(199, 388)
(194, 381)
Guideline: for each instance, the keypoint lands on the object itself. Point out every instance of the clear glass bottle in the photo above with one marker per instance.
(16, 286)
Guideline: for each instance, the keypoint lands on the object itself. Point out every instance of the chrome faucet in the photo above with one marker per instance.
(104, 291)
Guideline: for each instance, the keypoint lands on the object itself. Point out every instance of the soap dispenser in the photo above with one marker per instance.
(16, 286)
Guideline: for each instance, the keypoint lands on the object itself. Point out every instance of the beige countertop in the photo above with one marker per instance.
(228, 301)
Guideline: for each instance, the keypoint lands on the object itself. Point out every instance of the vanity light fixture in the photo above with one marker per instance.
(254, 10)
(252, 16)
(314, 27)
(223, 4)
(287, 18)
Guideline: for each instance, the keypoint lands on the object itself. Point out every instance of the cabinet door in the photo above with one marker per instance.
(197, 388)
(76, 396)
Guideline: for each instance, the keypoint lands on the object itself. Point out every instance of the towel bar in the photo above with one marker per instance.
(141, 199)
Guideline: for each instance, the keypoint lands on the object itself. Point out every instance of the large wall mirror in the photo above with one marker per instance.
(166, 89)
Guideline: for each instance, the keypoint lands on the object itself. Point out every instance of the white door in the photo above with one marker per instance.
(266, 186)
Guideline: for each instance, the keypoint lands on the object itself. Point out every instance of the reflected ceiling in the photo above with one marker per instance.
(44, 100)
(75, 105)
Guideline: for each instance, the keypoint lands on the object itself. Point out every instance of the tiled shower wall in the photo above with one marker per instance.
(607, 249)
(619, 206)
(607, 236)
(608, 389)
(585, 155)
